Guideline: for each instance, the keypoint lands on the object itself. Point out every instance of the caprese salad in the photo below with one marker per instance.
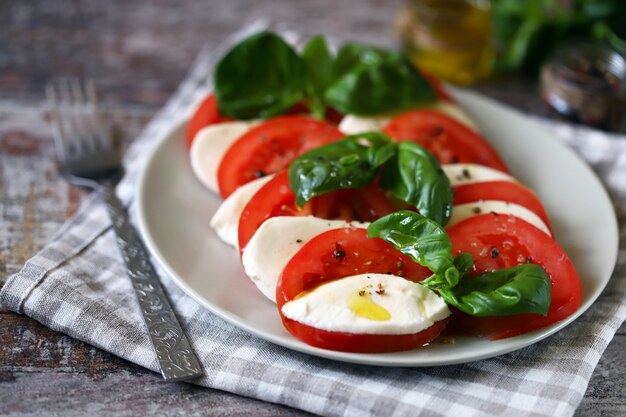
(367, 205)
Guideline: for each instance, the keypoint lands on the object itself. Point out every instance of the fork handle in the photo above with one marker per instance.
(173, 350)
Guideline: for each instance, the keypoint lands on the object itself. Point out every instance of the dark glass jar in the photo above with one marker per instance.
(586, 83)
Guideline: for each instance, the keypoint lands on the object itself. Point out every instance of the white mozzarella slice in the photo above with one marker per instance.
(368, 304)
(352, 124)
(277, 241)
(461, 212)
(210, 145)
(225, 221)
(461, 174)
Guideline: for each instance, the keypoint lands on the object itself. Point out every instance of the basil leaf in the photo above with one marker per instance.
(425, 241)
(370, 81)
(349, 163)
(352, 56)
(319, 64)
(415, 176)
(521, 289)
(263, 76)
(449, 278)
(260, 77)
(464, 263)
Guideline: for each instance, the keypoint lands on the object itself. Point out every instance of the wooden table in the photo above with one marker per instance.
(137, 52)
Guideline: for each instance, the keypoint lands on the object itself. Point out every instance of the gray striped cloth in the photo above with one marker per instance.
(77, 285)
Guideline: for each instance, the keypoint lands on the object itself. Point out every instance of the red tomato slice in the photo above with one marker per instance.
(450, 141)
(503, 241)
(206, 114)
(513, 192)
(363, 343)
(270, 147)
(337, 254)
(276, 199)
(363, 204)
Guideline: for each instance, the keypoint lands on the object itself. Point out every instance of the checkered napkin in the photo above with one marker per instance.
(78, 285)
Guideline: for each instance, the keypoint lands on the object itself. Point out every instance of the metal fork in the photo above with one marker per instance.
(91, 157)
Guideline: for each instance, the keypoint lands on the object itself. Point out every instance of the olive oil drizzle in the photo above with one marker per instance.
(362, 305)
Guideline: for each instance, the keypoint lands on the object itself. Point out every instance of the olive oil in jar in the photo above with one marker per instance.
(450, 39)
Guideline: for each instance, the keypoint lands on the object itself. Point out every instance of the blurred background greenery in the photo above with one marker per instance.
(528, 32)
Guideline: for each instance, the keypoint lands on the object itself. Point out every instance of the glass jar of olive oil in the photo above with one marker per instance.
(450, 39)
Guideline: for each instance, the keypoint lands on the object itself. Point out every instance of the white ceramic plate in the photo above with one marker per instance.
(175, 209)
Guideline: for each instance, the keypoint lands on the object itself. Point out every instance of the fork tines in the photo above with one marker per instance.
(73, 106)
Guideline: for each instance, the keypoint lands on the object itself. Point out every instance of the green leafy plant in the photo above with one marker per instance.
(528, 31)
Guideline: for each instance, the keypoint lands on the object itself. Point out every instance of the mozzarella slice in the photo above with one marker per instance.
(225, 221)
(352, 124)
(461, 174)
(277, 241)
(210, 145)
(368, 304)
(464, 211)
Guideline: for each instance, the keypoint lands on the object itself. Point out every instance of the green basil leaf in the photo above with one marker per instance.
(368, 82)
(415, 176)
(349, 163)
(260, 77)
(319, 64)
(425, 241)
(464, 263)
(521, 289)
(450, 277)
(353, 55)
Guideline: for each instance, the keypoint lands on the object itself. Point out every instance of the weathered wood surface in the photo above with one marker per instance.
(137, 52)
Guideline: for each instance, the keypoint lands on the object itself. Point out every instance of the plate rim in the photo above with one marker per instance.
(525, 340)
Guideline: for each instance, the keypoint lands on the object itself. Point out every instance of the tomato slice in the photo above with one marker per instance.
(512, 192)
(503, 241)
(363, 343)
(270, 147)
(276, 199)
(206, 114)
(341, 253)
(449, 140)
